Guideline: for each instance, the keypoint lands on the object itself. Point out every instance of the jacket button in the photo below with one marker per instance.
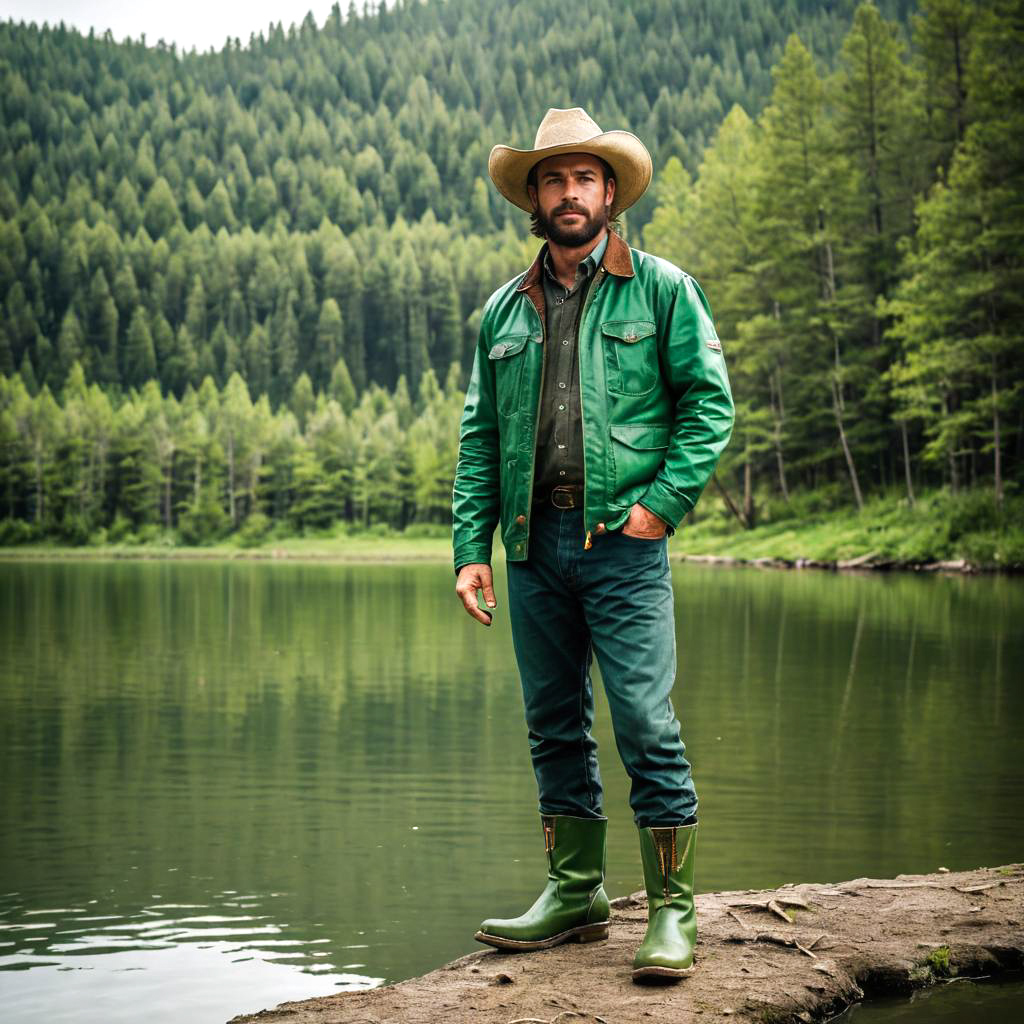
(520, 519)
(600, 527)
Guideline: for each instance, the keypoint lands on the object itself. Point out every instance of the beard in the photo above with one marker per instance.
(572, 237)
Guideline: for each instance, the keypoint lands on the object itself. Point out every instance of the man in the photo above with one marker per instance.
(597, 408)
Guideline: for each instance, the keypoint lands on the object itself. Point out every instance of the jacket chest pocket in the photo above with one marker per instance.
(631, 356)
(509, 356)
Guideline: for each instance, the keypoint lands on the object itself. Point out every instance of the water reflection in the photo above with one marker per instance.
(213, 957)
(263, 782)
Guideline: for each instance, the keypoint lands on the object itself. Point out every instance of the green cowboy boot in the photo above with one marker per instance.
(573, 906)
(667, 949)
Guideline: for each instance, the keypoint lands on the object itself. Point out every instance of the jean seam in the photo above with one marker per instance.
(583, 734)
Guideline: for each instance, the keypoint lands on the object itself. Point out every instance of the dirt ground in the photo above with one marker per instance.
(799, 953)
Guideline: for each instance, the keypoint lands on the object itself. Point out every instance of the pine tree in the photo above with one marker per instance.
(139, 357)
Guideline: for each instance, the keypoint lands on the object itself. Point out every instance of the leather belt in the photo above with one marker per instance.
(563, 496)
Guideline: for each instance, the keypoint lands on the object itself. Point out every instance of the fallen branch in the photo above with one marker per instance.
(776, 940)
(977, 888)
(743, 924)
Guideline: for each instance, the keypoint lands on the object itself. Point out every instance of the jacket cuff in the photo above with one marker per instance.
(665, 506)
(469, 554)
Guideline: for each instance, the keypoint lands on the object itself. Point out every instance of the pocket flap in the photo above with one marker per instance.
(508, 346)
(628, 330)
(641, 435)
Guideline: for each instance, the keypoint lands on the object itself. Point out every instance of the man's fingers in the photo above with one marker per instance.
(467, 589)
(469, 600)
(488, 589)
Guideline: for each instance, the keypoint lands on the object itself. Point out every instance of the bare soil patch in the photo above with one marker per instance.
(799, 953)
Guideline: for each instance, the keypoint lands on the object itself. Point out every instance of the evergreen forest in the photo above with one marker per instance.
(241, 289)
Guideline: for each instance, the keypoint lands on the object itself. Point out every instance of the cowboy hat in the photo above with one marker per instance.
(573, 131)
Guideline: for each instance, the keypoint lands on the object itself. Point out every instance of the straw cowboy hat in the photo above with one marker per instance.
(573, 131)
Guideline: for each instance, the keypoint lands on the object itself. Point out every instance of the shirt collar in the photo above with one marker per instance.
(586, 266)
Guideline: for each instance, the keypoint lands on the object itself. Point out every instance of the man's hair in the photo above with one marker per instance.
(531, 179)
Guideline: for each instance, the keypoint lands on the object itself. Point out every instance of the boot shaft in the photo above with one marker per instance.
(668, 856)
(576, 849)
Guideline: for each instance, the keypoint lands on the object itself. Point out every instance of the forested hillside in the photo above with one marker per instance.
(247, 283)
(323, 193)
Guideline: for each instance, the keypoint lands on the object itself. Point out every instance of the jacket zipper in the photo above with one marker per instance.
(587, 544)
(536, 420)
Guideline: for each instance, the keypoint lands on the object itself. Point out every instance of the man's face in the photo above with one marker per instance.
(571, 198)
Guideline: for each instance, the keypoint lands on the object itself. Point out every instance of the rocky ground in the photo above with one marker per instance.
(799, 953)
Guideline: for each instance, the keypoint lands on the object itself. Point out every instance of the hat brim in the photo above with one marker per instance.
(626, 154)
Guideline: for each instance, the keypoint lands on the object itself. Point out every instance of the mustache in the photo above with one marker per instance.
(568, 207)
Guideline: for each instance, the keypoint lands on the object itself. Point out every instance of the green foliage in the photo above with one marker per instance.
(150, 467)
(231, 284)
(322, 194)
(871, 317)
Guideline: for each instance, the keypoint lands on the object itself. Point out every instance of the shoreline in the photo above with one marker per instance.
(799, 953)
(417, 551)
(942, 533)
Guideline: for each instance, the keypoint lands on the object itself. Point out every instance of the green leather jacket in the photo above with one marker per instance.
(656, 404)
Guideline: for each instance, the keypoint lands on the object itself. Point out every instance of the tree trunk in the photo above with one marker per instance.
(954, 476)
(906, 462)
(168, 477)
(727, 498)
(778, 415)
(748, 489)
(837, 409)
(997, 458)
(231, 479)
(37, 459)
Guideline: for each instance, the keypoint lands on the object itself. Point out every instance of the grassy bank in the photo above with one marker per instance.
(353, 548)
(938, 528)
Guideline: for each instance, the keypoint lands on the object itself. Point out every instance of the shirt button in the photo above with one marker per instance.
(560, 384)
(561, 472)
(561, 407)
(561, 446)
(565, 341)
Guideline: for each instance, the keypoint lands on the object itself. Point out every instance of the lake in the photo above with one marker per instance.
(227, 785)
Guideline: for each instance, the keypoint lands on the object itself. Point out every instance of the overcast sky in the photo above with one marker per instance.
(199, 23)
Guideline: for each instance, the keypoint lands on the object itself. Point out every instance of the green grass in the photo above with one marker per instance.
(938, 960)
(940, 527)
(356, 548)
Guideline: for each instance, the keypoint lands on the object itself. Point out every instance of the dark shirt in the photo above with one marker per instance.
(560, 430)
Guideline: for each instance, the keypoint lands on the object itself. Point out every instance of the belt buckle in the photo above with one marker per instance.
(571, 496)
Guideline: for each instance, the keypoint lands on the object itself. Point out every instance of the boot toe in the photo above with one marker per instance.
(503, 927)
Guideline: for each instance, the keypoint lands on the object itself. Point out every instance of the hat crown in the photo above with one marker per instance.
(561, 127)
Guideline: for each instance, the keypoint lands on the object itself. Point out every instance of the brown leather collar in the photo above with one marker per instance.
(617, 260)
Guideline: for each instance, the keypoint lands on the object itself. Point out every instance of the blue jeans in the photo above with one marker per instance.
(613, 600)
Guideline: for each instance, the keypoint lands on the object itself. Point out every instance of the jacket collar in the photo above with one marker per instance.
(617, 260)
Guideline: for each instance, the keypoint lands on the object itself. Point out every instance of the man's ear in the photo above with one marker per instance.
(532, 193)
(609, 192)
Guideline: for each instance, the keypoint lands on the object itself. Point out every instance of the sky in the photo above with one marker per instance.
(199, 23)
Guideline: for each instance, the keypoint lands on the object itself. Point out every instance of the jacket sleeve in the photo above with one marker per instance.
(693, 364)
(476, 496)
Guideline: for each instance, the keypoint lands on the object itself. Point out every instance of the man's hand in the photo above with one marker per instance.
(644, 523)
(473, 577)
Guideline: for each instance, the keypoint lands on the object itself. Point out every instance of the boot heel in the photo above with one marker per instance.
(593, 933)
